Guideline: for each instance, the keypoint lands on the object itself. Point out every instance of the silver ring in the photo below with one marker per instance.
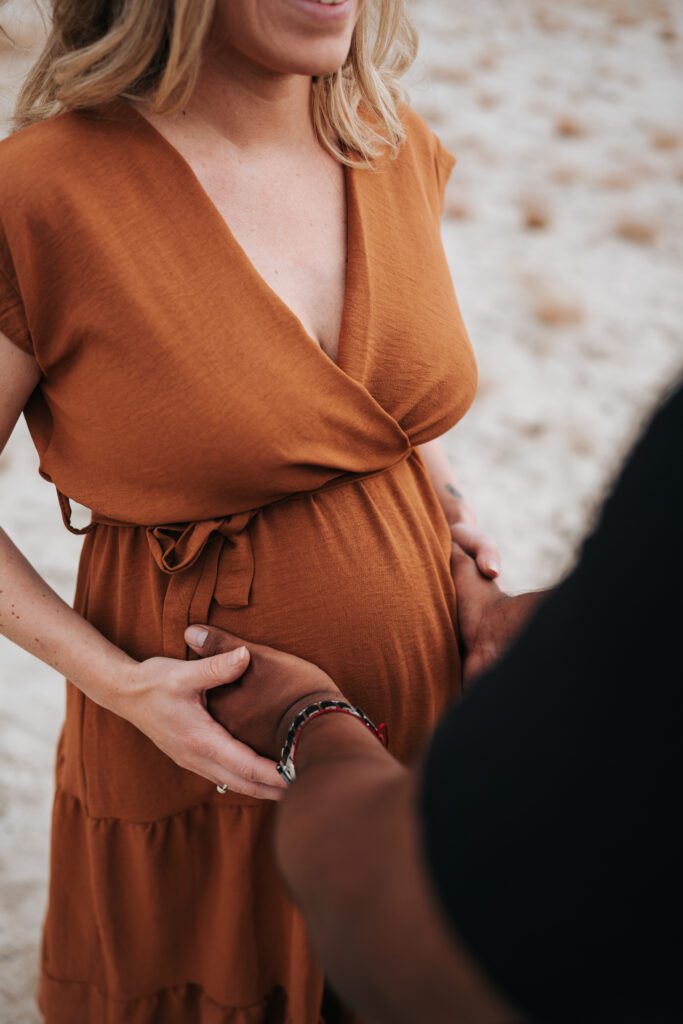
(223, 789)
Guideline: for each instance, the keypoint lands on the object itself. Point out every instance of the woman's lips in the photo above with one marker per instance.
(324, 12)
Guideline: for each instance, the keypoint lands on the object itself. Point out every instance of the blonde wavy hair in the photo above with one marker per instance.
(97, 50)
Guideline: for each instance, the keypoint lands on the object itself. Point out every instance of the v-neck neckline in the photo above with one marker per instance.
(354, 248)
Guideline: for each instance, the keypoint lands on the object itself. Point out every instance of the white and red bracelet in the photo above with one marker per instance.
(286, 766)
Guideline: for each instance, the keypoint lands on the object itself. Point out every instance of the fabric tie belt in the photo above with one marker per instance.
(211, 559)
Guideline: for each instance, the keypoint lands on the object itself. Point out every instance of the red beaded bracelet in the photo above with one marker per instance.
(286, 766)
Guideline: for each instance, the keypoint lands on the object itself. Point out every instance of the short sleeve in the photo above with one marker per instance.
(431, 161)
(444, 162)
(15, 183)
(12, 315)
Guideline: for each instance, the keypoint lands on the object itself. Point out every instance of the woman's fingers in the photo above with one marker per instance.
(220, 777)
(210, 750)
(467, 536)
(166, 701)
(217, 670)
(488, 560)
(218, 756)
(465, 569)
(479, 547)
(235, 784)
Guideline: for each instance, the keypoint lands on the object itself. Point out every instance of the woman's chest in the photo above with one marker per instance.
(168, 358)
(280, 209)
(292, 236)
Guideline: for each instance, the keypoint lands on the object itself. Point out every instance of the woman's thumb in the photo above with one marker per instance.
(222, 668)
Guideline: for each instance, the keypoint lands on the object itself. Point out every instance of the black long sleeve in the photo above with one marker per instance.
(552, 795)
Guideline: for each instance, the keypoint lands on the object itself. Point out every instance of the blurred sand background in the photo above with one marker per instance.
(564, 231)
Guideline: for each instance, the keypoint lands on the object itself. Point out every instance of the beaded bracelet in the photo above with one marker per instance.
(286, 766)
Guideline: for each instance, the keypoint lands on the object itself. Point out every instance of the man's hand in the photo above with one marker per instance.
(488, 619)
(259, 708)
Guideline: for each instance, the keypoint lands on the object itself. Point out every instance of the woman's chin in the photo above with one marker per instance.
(317, 64)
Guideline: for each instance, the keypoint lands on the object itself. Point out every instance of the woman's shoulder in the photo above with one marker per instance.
(422, 141)
(422, 158)
(36, 159)
(417, 129)
(39, 148)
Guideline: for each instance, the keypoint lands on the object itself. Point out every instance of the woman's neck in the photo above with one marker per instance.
(250, 106)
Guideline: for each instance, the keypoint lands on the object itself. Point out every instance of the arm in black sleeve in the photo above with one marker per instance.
(551, 796)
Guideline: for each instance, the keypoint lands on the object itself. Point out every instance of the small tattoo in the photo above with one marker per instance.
(454, 491)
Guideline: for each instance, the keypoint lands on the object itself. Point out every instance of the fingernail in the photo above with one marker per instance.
(492, 566)
(196, 635)
(234, 657)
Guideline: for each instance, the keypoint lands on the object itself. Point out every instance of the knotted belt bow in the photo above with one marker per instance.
(207, 559)
(210, 559)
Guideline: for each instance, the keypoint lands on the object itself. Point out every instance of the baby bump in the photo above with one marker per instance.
(355, 578)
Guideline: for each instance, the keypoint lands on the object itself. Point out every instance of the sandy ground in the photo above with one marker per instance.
(564, 230)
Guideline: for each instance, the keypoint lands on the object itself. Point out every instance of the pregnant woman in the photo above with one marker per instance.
(227, 316)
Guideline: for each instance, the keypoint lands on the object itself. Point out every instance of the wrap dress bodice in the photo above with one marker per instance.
(236, 475)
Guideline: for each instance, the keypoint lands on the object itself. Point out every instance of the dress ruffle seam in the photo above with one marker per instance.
(104, 819)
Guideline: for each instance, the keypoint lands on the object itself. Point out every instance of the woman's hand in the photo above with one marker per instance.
(458, 511)
(166, 700)
(261, 706)
(488, 619)
(473, 541)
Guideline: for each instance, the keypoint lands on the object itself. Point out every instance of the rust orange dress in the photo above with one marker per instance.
(236, 475)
